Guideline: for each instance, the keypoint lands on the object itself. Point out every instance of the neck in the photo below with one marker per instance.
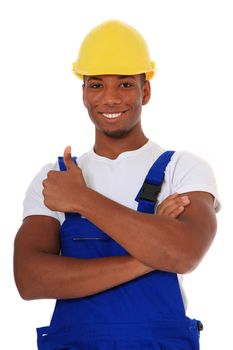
(112, 147)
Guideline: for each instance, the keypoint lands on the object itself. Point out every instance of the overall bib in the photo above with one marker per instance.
(146, 313)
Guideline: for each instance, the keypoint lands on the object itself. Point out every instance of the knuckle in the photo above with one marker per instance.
(46, 203)
(50, 174)
(44, 192)
(44, 182)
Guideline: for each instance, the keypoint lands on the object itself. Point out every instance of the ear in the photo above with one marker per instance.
(84, 94)
(146, 90)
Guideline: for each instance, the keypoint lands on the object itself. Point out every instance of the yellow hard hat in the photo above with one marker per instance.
(114, 47)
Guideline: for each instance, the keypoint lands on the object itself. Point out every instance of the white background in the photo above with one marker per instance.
(41, 112)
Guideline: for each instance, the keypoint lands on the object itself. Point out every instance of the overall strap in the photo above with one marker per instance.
(62, 164)
(147, 196)
(62, 167)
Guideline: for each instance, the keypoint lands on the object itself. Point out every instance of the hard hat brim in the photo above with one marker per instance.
(150, 73)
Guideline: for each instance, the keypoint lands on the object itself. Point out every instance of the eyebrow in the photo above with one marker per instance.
(92, 77)
(127, 77)
(119, 77)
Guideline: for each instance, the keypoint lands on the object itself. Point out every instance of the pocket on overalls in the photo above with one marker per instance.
(100, 246)
(80, 245)
(91, 246)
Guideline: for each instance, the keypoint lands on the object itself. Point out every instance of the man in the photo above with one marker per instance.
(115, 268)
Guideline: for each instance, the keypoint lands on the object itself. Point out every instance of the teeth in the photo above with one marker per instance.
(111, 115)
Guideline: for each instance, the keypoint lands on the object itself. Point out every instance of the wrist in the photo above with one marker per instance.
(81, 199)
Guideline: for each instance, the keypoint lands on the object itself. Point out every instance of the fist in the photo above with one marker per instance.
(63, 189)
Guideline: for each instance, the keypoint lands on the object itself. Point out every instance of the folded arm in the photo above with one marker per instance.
(40, 272)
(164, 243)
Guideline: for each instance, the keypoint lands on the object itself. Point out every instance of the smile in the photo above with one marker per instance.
(113, 115)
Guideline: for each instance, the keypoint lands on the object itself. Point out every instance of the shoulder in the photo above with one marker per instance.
(184, 163)
(186, 159)
(187, 172)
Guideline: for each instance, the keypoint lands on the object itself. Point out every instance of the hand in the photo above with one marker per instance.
(173, 205)
(63, 189)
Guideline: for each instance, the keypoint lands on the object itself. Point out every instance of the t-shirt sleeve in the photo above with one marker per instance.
(189, 173)
(33, 203)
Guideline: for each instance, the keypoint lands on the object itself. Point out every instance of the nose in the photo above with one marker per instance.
(111, 97)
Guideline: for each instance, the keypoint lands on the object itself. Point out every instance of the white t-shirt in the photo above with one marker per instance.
(120, 179)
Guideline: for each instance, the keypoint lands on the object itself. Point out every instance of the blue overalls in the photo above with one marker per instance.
(146, 313)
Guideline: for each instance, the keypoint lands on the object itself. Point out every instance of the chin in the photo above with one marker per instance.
(116, 134)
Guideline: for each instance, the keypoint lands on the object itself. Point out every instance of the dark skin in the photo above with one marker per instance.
(116, 94)
(176, 239)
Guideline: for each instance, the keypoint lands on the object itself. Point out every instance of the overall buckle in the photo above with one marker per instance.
(149, 192)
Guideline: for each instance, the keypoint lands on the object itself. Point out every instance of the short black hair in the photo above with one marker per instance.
(142, 76)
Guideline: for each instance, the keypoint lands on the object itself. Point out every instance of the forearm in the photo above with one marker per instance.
(57, 277)
(158, 241)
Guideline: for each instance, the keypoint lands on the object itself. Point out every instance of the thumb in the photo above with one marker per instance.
(69, 163)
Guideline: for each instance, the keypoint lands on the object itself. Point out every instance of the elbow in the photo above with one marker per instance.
(28, 277)
(25, 283)
(26, 295)
(177, 262)
(187, 264)
(25, 291)
(190, 260)
(186, 267)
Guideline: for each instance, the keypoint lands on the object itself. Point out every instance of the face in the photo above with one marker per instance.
(114, 102)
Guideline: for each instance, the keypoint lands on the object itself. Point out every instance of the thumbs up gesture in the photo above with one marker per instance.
(63, 190)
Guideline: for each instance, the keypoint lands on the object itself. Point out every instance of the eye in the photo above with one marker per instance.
(126, 85)
(95, 85)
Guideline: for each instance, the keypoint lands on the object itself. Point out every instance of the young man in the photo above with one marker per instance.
(92, 237)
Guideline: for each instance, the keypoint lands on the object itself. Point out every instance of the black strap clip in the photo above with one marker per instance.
(150, 192)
